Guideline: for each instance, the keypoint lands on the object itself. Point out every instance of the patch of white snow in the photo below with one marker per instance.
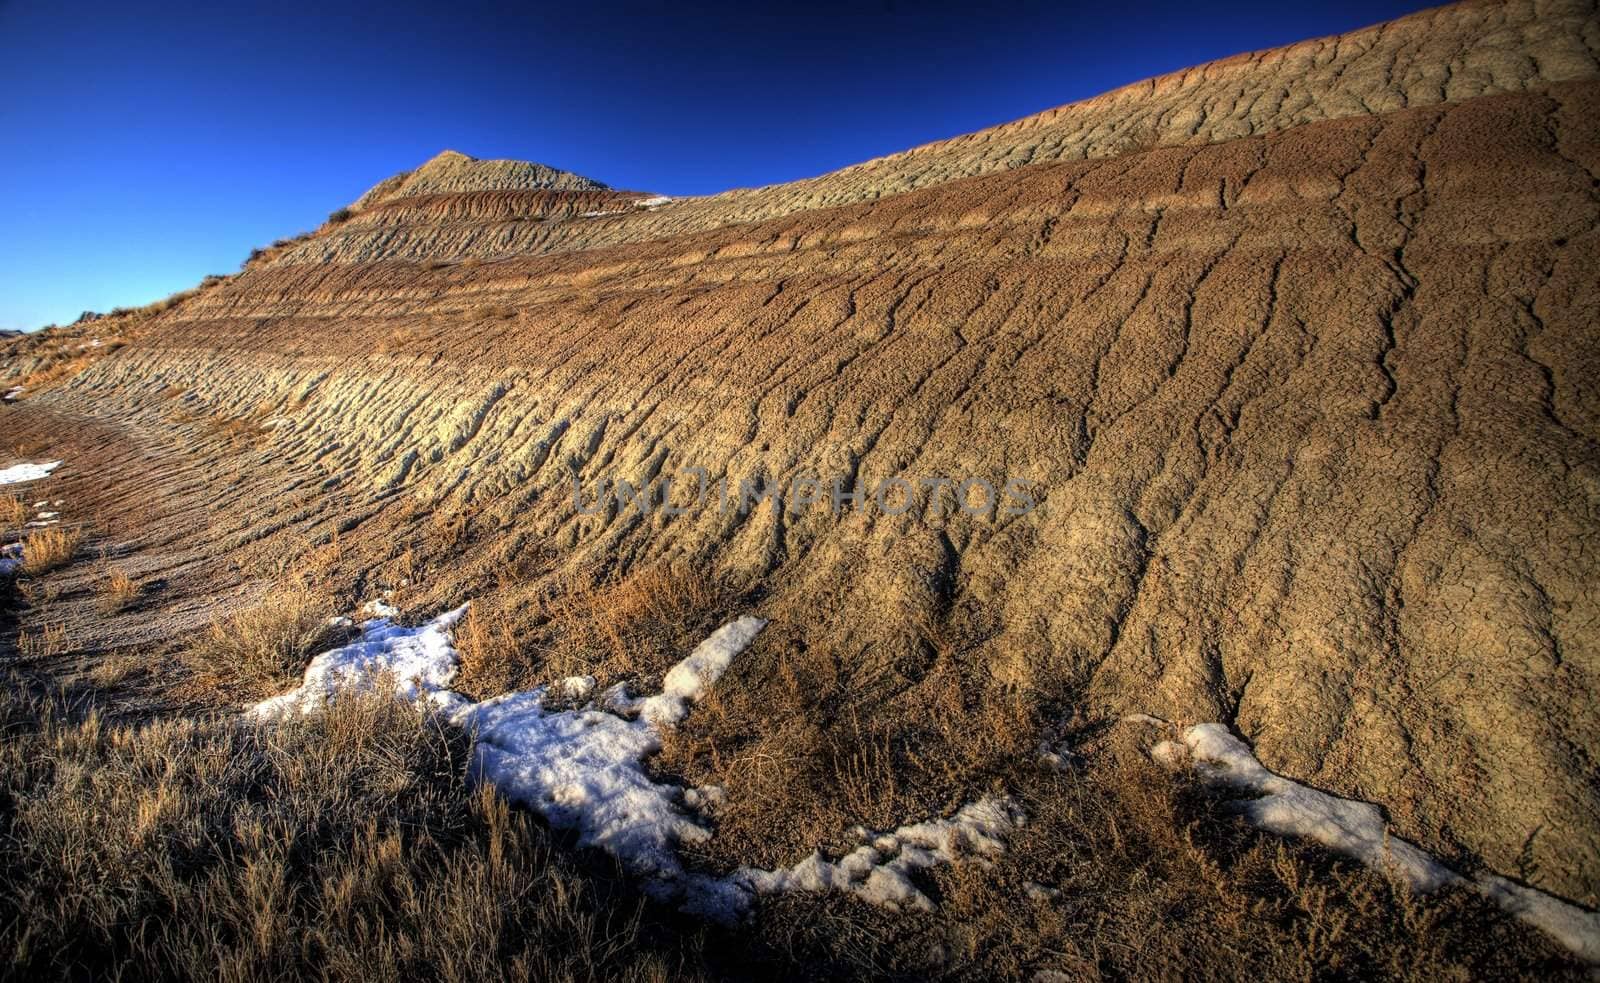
(879, 870)
(687, 681)
(379, 608)
(708, 800)
(420, 661)
(27, 472)
(1357, 829)
(1572, 926)
(584, 770)
(578, 687)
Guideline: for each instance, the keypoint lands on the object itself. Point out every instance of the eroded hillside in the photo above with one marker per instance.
(1295, 353)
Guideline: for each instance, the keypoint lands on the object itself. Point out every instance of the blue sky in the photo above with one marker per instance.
(143, 146)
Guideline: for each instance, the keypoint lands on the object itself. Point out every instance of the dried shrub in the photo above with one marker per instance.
(264, 648)
(45, 643)
(116, 668)
(491, 655)
(49, 549)
(118, 590)
(629, 625)
(13, 512)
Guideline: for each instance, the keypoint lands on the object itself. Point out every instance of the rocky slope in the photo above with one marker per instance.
(1295, 351)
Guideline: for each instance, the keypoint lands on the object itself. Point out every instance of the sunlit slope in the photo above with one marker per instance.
(1300, 374)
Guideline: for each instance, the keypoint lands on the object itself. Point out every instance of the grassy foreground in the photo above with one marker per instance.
(345, 845)
(348, 846)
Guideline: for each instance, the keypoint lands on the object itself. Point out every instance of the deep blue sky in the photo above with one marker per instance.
(143, 146)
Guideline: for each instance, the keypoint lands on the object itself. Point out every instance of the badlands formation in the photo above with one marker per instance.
(1294, 352)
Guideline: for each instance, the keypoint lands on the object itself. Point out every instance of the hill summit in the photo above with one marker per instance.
(452, 172)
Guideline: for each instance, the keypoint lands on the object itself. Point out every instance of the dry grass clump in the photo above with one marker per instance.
(13, 512)
(53, 366)
(236, 433)
(278, 246)
(264, 648)
(629, 625)
(52, 354)
(1194, 892)
(48, 641)
(49, 549)
(815, 749)
(120, 590)
(490, 652)
(165, 304)
(344, 846)
(116, 668)
(30, 445)
(520, 632)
